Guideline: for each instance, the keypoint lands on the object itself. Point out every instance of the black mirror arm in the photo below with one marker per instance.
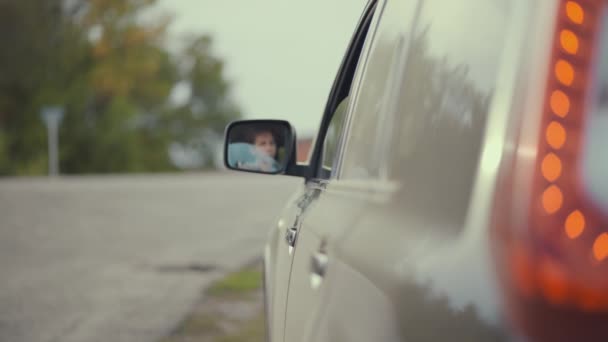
(298, 170)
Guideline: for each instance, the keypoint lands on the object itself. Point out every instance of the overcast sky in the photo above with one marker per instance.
(281, 55)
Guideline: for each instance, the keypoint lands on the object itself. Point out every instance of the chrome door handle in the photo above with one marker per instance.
(318, 264)
(318, 267)
(291, 235)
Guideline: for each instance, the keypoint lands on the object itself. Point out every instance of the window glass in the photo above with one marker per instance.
(332, 137)
(334, 131)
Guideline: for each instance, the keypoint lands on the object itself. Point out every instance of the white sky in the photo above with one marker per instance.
(281, 55)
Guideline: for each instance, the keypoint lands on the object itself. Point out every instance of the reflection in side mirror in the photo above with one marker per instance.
(263, 146)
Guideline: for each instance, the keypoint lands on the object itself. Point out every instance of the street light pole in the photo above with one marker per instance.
(52, 117)
(52, 138)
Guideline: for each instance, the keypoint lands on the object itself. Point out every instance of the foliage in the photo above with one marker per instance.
(113, 74)
(245, 280)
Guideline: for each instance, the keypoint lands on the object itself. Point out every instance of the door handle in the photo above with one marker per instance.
(318, 267)
(291, 236)
(318, 264)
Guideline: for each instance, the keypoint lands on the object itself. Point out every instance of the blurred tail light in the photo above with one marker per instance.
(553, 256)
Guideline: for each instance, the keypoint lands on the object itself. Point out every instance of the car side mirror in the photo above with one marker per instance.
(260, 146)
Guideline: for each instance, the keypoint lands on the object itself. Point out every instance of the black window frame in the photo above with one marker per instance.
(341, 88)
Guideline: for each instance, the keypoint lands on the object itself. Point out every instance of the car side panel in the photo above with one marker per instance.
(277, 267)
(326, 220)
(343, 305)
(413, 262)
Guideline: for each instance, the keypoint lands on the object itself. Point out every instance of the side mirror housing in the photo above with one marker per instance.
(262, 146)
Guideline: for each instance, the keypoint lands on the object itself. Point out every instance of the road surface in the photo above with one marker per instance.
(122, 258)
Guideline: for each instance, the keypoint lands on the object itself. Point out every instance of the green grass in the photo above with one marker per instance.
(207, 323)
(246, 280)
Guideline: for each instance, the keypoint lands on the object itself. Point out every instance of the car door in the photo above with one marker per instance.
(400, 227)
(338, 207)
(280, 253)
(285, 240)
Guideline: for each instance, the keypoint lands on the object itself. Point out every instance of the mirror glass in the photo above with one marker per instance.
(258, 146)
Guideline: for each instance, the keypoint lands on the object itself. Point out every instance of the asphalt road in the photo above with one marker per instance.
(123, 258)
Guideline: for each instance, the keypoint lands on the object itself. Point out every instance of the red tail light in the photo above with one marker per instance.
(553, 255)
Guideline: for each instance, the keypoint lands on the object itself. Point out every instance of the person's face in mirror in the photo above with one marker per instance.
(264, 141)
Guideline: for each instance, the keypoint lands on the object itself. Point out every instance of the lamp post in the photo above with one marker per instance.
(52, 116)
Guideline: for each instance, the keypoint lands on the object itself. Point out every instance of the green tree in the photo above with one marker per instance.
(202, 118)
(41, 57)
(113, 74)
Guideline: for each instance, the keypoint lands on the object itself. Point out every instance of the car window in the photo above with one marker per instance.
(330, 145)
(326, 155)
(448, 82)
(361, 158)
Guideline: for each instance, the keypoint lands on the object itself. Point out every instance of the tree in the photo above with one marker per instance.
(40, 44)
(199, 121)
(113, 74)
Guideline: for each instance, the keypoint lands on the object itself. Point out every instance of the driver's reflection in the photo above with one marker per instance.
(259, 153)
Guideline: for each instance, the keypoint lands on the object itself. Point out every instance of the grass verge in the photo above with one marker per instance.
(231, 310)
(242, 282)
